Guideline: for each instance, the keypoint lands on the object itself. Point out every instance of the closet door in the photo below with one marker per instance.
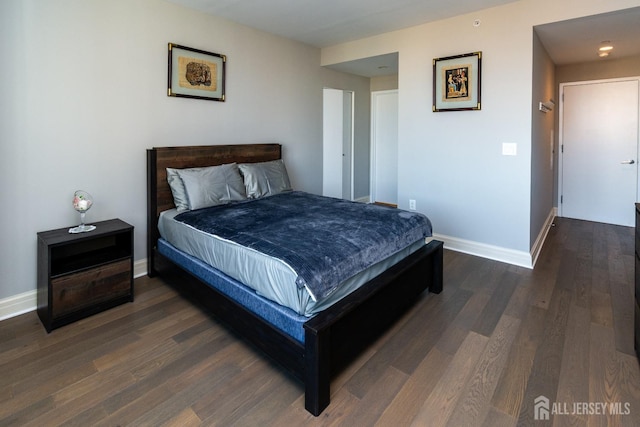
(384, 144)
(337, 143)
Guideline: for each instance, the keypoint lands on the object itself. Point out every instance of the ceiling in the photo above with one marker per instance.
(323, 23)
(329, 22)
(577, 40)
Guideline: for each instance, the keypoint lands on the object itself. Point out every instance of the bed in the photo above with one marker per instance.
(312, 349)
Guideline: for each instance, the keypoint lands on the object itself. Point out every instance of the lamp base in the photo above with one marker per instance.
(82, 229)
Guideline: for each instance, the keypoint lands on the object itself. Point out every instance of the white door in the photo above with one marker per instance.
(337, 142)
(347, 144)
(599, 131)
(384, 144)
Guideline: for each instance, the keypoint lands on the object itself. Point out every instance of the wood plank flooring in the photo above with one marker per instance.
(478, 354)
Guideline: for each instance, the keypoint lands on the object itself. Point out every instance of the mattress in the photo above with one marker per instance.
(270, 277)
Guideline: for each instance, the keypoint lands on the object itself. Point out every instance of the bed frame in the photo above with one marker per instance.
(333, 337)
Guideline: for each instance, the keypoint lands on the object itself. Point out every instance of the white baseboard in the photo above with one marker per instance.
(28, 301)
(18, 304)
(139, 268)
(363, 199)
(497, 253)
(542, 236)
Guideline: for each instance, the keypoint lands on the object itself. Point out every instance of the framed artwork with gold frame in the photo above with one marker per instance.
(195, 73)
(456, 82)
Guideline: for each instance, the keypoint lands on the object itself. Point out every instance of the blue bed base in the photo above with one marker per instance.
(280, 317)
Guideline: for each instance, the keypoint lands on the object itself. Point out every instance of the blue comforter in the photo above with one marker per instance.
(325, 240)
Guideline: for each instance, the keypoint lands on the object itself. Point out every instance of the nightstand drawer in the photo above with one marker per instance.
(73, 292)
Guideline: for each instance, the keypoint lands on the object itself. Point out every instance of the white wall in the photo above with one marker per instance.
(543, 136)
(451, 162)
(84, 88)
(384, 83)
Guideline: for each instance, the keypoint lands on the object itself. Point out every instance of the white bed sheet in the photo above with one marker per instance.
(268, 276)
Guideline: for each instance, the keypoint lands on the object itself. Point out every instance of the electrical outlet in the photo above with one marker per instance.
(509, 149)
(412, 204)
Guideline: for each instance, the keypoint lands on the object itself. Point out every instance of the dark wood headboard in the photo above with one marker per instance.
(159, 197)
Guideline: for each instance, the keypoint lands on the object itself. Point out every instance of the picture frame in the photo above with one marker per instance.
(457, 82)
(195, 73)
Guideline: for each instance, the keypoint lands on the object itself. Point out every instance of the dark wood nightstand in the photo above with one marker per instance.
(85, 273)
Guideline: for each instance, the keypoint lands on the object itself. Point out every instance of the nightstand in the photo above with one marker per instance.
(85, 273)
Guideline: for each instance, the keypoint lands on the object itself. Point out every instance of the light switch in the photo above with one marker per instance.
(509, 149)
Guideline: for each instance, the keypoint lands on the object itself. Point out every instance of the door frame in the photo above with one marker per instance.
(561, 133)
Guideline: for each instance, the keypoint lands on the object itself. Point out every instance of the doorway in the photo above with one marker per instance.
(337, 143)
(599, 150)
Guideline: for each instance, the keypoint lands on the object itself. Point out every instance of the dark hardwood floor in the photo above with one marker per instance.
(478, 354)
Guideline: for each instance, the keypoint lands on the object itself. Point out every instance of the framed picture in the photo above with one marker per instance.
(195, 73)
(456, 82)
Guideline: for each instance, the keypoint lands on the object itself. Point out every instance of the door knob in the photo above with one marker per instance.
(628, 162)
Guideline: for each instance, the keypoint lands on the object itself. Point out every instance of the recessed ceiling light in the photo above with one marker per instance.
(605, 46)
(604, 49)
